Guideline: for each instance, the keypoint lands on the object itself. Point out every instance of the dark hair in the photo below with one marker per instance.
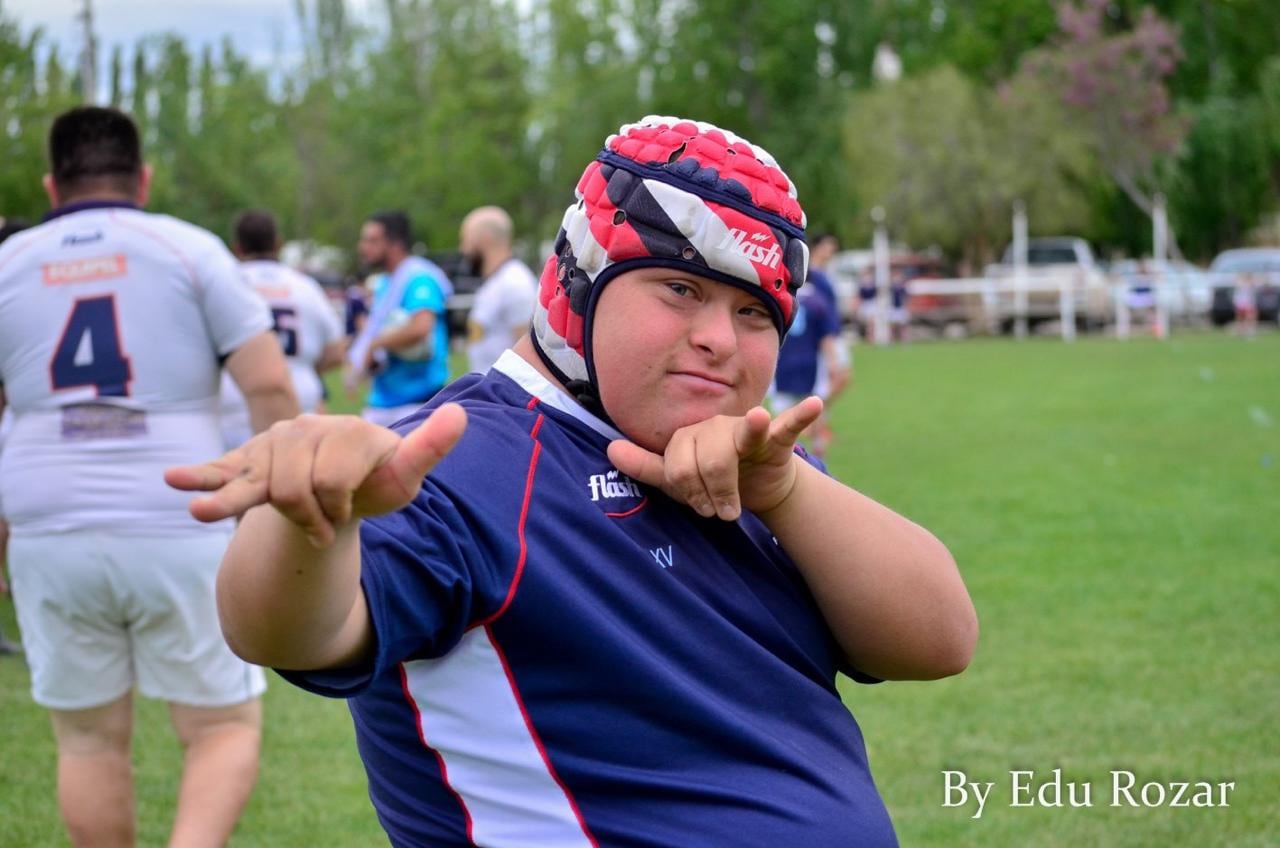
(92, 148)
(255, 232)
(821, 236)
(396, 227)
(12, 226)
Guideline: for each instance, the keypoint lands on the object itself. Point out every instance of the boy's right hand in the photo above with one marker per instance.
(322, 471)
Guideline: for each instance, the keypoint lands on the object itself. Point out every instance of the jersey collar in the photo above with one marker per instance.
(83, 205)
(514, 366)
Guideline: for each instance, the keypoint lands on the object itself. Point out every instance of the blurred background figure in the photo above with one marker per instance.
(303, 320)
(834, 365)
(808, 350)
(1245, 300)
(355, 306)
(404, 343)
(504, 302)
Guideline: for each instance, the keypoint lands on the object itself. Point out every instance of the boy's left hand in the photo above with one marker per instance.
(725, 464)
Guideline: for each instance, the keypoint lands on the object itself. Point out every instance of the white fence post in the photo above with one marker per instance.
(1160, 250)
(1067, 306)
(1020, 269)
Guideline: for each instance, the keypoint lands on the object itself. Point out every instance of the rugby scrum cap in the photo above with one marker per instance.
(675, 193)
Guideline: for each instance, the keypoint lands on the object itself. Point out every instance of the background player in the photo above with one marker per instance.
(306, 325)
(113, 323)
(505, 300)
(404, 343)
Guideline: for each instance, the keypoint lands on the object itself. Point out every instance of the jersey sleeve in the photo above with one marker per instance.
(233, 311)
(423, 292)
(442, 564)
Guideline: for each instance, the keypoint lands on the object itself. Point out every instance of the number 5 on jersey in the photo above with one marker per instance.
(90, 352)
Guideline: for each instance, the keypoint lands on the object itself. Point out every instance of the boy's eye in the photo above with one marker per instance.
(679, 288)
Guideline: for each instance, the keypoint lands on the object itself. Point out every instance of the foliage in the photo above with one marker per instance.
(30, 90)
(947, 159)
(437, 106)
(1114, 84)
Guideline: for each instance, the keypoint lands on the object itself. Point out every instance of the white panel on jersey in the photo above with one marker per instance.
(469, 714)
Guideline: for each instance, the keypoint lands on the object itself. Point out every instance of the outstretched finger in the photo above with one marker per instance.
(786, 428)
(397, 479)
(230, 501)
(204, 477)
(238, 481)
(429, 442)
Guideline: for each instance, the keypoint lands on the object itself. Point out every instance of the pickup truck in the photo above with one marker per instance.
(1051, 262)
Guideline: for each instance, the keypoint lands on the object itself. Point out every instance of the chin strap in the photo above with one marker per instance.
(581, 390)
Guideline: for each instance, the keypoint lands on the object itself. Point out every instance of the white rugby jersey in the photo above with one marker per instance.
(113, 325)
(305, 324)
(505, 300)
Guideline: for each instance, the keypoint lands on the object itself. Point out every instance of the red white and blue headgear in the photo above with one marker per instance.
(672, 193)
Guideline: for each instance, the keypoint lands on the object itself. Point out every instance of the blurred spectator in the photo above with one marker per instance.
(1245, 300)
(404, 344)
(505, 300)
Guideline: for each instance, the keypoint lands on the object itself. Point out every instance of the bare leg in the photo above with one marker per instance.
(95, 773)
(220, 768)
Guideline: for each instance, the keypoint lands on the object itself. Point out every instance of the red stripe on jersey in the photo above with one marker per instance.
(537, 740)
(444, 771)
(524, 515)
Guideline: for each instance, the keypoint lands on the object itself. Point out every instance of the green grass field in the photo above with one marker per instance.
(1113, 508)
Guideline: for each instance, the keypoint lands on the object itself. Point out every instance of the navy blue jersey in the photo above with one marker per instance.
(801, 351)
(819, 281)
(899, 293)
(565, 657)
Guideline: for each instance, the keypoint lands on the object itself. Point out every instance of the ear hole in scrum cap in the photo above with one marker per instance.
(669, 191)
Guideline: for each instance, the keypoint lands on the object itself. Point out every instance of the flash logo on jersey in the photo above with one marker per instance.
(613, 484)
(753, 249)
(85, 270)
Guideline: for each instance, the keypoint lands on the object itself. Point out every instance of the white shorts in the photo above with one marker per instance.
(385, 416)
(100, 613)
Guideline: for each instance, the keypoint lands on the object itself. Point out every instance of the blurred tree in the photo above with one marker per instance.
(587, 84)
(1114, 85)
(1219, 187)
(947, 158)
(32, 92)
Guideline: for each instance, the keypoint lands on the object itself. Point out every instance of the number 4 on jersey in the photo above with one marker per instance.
(89, 352)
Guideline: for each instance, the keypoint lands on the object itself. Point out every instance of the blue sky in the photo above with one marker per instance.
(261, 29)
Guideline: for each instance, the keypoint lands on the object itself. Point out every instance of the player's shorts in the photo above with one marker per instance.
(101, 613)
(898, 315)
(385, 416)
(1139, 299)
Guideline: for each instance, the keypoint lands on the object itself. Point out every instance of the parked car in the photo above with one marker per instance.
(1051, 262)
(1263, 263)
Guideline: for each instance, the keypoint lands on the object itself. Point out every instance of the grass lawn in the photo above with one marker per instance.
(1107, 503)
